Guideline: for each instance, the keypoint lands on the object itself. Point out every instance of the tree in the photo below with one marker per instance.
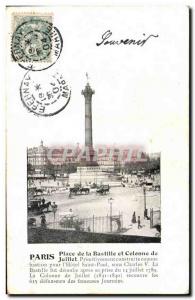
(49, 169)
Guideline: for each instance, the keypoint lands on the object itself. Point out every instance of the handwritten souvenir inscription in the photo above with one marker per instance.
(44, 95)
(106, 40)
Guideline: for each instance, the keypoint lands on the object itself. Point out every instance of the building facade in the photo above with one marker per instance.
(37, 156)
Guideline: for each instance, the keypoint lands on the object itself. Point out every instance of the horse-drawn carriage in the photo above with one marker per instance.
(103, 189)
(77, 190)
(38, 205)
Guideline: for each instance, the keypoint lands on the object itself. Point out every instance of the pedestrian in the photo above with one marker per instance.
(54, 207)
(43, 221)
(133, 218)
(138, 222)
(71, 214)
(118, 222)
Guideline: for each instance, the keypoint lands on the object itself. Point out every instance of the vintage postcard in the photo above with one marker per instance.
(97, 110)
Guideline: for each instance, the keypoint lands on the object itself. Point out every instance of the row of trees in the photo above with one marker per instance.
(149, 166)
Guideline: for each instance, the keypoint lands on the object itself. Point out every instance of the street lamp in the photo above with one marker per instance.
(110, 200)
(145, 209)
(54, 209)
